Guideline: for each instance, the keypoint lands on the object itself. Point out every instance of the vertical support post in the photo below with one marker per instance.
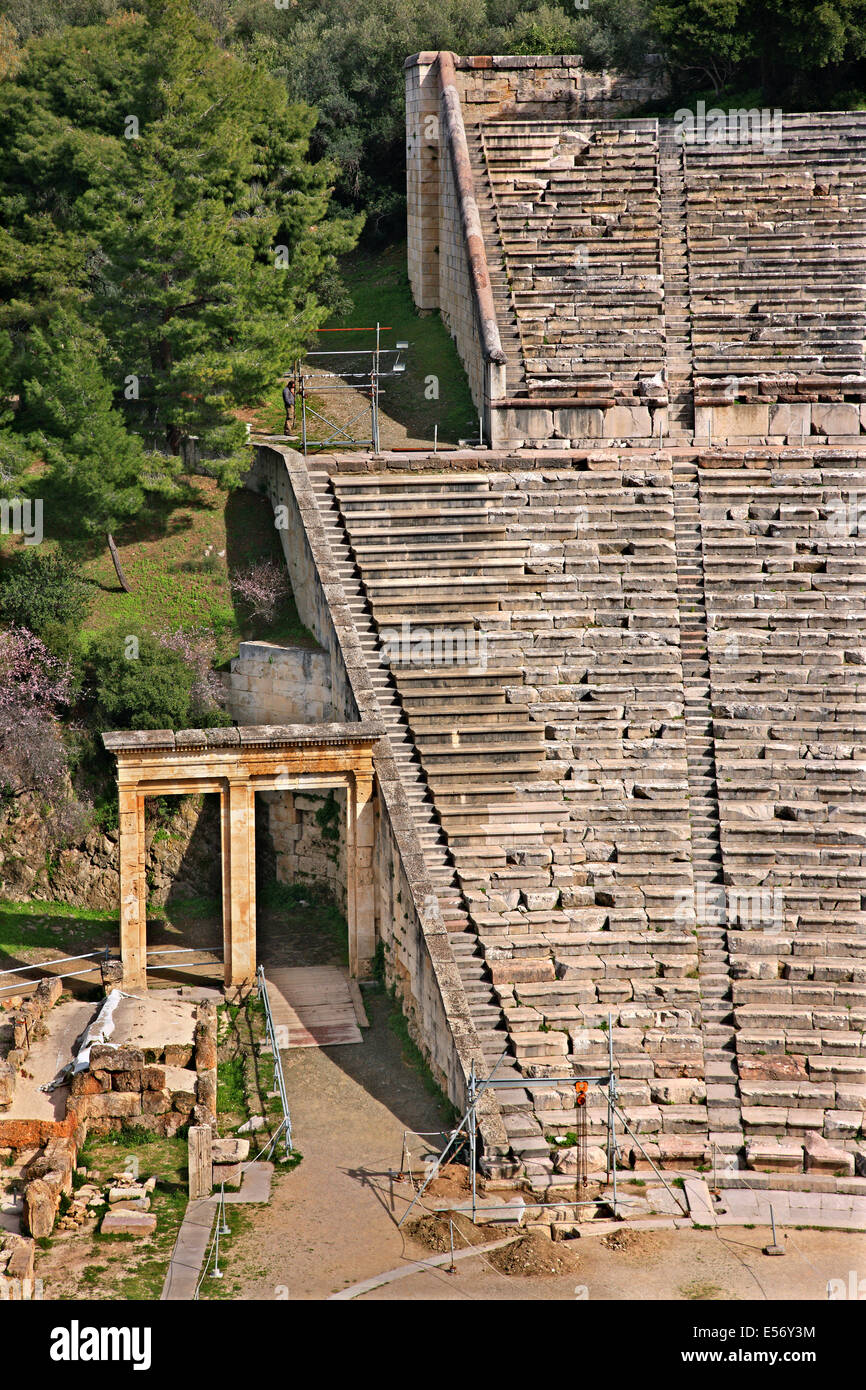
(374, 395)
(238, 806)
(360, 815)
(611, 1103)
(303, 414)
(200, 1142)
(133, 890)
(473, 1132)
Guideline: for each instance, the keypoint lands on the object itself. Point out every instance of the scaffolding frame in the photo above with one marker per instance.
(478, 1087)
(381, 367)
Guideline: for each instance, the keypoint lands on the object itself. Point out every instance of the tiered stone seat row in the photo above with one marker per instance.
(785, 583)
(577, 208)
(557, 763)
(777, 265)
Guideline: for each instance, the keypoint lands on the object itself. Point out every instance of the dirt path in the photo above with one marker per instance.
(332, 1221)
(687, 1266)
(329, 1222)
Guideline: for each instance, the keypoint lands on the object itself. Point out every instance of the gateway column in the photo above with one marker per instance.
(238, 804)
(133, 891)
(360, 841)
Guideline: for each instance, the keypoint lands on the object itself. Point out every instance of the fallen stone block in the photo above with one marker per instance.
(128, 1223)
(48, 991)
(41, 1201)
(22, 1258)
(230, 1150)
(822, 1157)
(104, 1057)
(126, 1194)
(7, 1085)
(783, 1156)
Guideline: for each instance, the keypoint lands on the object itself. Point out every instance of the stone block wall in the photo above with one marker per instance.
(552, 88)
(159, 1089)
(422, 178)
(20, 1028)
(292, 685)
(455, 291)
(305, 848)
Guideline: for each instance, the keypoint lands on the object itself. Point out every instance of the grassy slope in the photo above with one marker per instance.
(379, 287)
(177, 561)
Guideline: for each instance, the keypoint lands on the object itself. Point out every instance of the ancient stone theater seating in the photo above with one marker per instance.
(777, 276)
(619, 648)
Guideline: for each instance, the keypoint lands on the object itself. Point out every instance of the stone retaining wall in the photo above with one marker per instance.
(157, 1089)
(185, 860)
(23, 1027)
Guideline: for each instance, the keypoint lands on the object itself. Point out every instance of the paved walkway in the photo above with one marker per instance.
(837, 1210)
(48, 1057)
(194, 1237)
(313, 1004)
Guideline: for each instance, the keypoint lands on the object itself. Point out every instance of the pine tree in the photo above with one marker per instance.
(160, 190)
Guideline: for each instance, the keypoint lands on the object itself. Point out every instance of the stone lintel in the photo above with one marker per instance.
(364, 733)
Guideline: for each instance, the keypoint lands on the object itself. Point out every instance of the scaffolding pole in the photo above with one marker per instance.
(379, 368)
(469, 1121)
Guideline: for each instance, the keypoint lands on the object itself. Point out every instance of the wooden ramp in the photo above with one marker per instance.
(314, 1004)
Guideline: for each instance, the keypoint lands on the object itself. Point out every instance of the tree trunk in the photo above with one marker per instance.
(117, 567)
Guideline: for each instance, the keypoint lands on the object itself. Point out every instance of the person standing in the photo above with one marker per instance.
(289, 403)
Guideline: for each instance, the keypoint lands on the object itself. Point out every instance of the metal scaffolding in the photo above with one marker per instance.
(469, 1123)
(376, 363)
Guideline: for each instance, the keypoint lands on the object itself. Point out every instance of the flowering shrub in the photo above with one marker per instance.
(30, 675)
(196, 647)
(33, 684)
(262, 585)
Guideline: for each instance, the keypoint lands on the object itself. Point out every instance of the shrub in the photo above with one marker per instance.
(262, 585)
(196, 646)
(140, 684)
(43, 591)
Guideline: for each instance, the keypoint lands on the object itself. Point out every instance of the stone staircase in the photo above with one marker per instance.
(709, 916)
(484, 1012)
(649, 713)
(557, 766)
(785, 581)
(570, 216)
(777, 262)
(675, 271)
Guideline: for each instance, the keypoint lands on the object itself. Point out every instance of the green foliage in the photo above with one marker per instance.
(328, 818)
(704, 36)
(43, 591)
(793, 48)
(95, 465)
(148, 691)
(345, 57)
(161, 211)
